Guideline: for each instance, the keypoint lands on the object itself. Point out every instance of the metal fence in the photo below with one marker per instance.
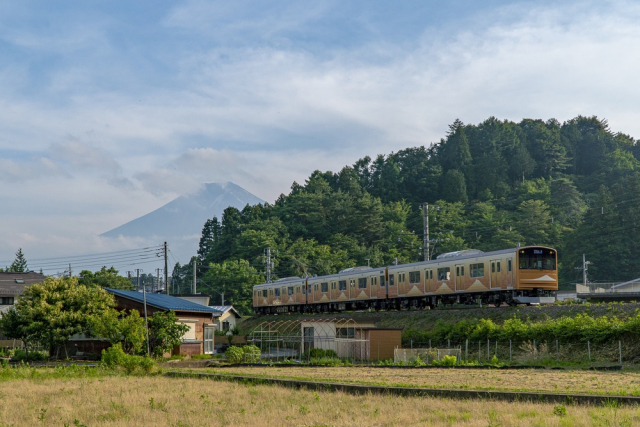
(536, 353)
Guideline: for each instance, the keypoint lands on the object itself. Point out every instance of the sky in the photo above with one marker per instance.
(110, 109)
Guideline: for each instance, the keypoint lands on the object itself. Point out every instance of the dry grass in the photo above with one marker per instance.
(160, 401)
(587, 382)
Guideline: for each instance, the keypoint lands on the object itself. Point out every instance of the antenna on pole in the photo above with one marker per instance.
(425, 236)
(269, 264)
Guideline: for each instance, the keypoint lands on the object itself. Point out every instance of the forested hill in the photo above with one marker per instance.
(574, 186)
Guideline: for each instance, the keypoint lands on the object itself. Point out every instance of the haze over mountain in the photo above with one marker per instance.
(180, 221)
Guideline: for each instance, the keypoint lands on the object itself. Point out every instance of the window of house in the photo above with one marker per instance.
(324, 287)
(343, 285)
(6, 301)
(191, 332)
(444, 273)
(476, 270)
(414, 277)
(362, 283)
(225, 326)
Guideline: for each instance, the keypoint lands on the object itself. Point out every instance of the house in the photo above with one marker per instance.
(12, 285)
(200, 319)
(227, 320)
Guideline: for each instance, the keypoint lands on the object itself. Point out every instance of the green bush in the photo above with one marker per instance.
(251, 354)
(234, 354)
(33, 356)
(446, 361)
(319, 353)
(114, 357)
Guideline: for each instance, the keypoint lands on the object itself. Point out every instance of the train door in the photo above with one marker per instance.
(374, 287)
(427, 281)
(459, 277)
(383, 292)
(392, 292)
(496, 274)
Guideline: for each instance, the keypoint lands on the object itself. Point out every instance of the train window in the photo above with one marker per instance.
(493, 267)
(444, 273)
(362, 283)
(374, 280)
(277, 292)
(431, 274)
(290, 290)
(342, 284)
(391, 280)
(509, 267)
(352, 282)
(457, 271)
(381, 280)
(476, 270)
(498, 266)
(414, 277)
(333, 285)
(462, 270)
(324, 287)
(264, 293)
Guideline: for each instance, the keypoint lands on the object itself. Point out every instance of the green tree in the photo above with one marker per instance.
(165, 332)
(105, 278)
(51, 312)
(454, 188)
(235, 279)
(19, 264)
(121, 327)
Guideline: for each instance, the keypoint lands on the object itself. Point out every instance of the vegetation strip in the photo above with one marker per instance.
(513, 396)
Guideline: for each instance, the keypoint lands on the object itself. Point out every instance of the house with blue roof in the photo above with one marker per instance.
(199, 339)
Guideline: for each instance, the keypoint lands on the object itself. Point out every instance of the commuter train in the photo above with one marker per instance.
(523, 275)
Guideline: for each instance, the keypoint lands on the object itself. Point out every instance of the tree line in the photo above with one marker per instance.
(573, 186)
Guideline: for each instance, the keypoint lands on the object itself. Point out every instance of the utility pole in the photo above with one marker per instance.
(584, 269)
(158, 280)
(166, 270)
(70, 273)
(425, 236)
(194, 277)
(144, 299)
(269, 265)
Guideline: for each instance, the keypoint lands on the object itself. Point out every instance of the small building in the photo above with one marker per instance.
(199, 339)
(228, 319)
(12, 285)
(361, 340)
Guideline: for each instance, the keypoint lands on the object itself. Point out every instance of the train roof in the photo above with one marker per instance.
(285, 281)
(464, 255)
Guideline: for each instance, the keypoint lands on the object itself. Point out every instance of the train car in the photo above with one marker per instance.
(351, 289)
(280, 296)
(526, 275)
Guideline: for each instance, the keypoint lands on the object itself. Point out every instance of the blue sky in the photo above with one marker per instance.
(109, 109)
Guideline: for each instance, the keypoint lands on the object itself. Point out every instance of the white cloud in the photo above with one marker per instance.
(265, 114)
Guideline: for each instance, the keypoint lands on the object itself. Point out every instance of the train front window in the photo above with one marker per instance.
(537, 259)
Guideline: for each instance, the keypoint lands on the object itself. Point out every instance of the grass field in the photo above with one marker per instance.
(625, 383)
(160, 401)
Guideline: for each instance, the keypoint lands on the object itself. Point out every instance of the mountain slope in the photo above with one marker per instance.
(180, 221)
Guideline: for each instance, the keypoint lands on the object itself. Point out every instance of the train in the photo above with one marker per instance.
(522, 275)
